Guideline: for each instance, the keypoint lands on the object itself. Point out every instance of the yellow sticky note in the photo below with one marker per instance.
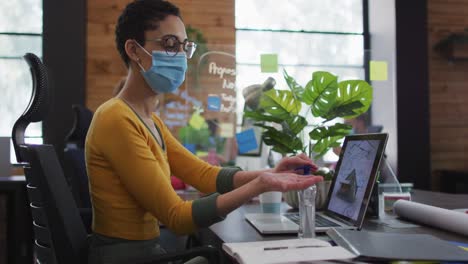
(226, 130)
(196, 121)
(378, 70)
(269, 62)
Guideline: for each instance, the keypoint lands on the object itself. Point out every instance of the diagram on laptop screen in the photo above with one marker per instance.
(353, 176)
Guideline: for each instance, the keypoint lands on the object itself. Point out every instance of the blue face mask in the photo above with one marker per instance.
(167, 72)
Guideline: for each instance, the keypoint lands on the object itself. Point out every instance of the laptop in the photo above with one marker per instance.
(349, 194)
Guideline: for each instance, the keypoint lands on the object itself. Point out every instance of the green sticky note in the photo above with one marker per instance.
(378, 70)
(201, 153)
(196, 121)
(269, 62)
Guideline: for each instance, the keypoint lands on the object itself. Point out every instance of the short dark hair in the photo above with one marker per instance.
(138, 17)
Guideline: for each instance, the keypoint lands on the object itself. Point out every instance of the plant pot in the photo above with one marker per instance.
(291, 199)
(323, 188)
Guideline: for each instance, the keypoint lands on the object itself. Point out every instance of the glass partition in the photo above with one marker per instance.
(20, 32)
(202, 113)
(206, 112)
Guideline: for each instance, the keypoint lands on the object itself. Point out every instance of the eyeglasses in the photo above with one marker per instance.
(171, 45)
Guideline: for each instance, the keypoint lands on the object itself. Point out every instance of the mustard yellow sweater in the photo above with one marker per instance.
(129, 177)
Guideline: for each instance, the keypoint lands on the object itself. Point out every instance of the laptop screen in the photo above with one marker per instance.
(355, 175)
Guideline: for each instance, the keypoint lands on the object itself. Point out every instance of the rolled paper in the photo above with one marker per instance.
(432, 216)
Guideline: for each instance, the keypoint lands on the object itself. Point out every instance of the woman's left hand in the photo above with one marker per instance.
(290, 164)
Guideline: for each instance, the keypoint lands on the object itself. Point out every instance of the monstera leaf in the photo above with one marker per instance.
(326, 98)
(352, 99)
(294, 124)
(260, 115)
(295, 88)
(280, 141)
(280, 103)
(320, 92)
(328, 137)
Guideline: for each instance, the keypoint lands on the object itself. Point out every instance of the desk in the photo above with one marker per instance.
(235, 229)
(19, 229)
(443, 200)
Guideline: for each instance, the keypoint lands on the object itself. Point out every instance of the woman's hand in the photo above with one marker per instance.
(289, 164)
(283, 182)
(264, 181)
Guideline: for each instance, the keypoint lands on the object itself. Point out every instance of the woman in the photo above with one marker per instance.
(130, 153)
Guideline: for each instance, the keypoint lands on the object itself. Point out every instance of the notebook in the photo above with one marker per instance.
(349, 193)
(369, 245)
(285, 251)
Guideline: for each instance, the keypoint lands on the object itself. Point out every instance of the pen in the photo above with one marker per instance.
(285, 247)
(275, 248)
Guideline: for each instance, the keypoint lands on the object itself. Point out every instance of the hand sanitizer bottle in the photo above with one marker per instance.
(307, 212)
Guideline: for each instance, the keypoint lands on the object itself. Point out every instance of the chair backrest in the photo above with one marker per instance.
(58, 228)
(81, 123)
(74, 156)
(38, 106)
(77, 176)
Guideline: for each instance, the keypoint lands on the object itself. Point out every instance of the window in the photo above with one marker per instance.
(20, 32)
(307, 35)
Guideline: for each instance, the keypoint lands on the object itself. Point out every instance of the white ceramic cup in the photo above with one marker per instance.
(271, 202)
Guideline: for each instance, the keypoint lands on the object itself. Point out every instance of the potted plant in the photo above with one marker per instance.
(326, 98)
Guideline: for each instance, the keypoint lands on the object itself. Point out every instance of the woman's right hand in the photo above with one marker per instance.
(283, 182)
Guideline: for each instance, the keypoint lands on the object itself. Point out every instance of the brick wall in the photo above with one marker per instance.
(104, 68)
(448, 89)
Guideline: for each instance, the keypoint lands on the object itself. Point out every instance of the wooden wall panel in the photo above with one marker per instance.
(448, 89)
(104, 68)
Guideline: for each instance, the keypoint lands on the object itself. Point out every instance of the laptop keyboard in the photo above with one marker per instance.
(320, 221)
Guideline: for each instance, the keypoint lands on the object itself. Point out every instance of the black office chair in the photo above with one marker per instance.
(60, 235)
(38, 106)
(65, 237)
(81, 122)
(75, 164)
(36, 110)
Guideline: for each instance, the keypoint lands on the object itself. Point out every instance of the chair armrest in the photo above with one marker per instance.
(209, 252)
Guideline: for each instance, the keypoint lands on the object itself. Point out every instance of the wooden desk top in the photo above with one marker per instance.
(236, 229)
